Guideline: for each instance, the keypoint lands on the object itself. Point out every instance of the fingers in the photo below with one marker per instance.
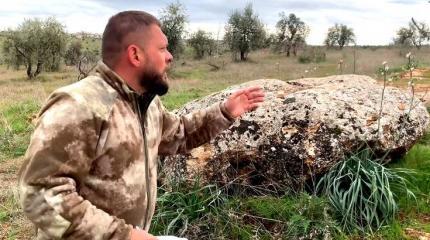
(253, 106)
(250, 92)
(254, 88)
(254, 95)
(254, 92)
(257, 100)
(238, 93)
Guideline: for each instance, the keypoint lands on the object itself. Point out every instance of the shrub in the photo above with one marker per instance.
(363, 192)
(313, 54)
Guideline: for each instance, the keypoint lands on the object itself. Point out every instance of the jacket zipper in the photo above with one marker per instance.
(142, 124)
(148, 191)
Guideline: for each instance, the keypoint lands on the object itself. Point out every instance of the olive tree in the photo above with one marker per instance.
(244, 32)
(73, 53)
(173, 20)
(416, 34)
(339, 35)
(291, 33)
(202, 43)
(35, 43)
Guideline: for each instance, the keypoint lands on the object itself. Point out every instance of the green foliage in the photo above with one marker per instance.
(362, 192)
(415, 212)
(15, 129)
(339, 35)
(207, 213)
(36, 43)
(73, 53)
(418, 159)
(9, 207)
(202, 43)
(416, 34)
(425, 140)
(181, 207)
(84, 58)
(244, 32)
(87, 62)
(312, 54)
(291, 33)
(393, 231)
(174, 100)
(290, 217)
(173, 20)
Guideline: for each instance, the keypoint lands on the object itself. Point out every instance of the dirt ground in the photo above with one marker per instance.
(421, 84)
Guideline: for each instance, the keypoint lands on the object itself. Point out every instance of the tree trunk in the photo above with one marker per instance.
(38, 69)
(29, 71)
(295, 50)
(242, 56)
(288, 50)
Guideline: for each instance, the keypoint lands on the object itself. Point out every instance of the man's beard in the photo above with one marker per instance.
(153, 82)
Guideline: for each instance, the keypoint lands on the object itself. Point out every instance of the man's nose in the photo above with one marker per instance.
(169, 57)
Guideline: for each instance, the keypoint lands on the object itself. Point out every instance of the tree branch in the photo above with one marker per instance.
(421, 29)
(20, 52)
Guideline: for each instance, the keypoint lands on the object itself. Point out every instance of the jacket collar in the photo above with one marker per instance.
(113, 79)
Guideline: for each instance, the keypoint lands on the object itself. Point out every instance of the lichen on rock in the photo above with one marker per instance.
(303, 128)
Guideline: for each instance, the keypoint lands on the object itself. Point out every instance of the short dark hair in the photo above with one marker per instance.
(118, 28)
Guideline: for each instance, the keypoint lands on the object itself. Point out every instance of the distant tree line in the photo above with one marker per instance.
(43, 45)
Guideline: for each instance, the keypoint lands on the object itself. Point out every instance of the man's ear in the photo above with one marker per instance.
(134, 55)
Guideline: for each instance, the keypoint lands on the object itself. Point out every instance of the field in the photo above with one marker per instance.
(190, 79)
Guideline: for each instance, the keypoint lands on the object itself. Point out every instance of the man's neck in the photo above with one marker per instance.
(129, 79)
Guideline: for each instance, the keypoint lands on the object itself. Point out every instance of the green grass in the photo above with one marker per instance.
(364, 193)
(415, 213)
(205, 212)
(291, 216)
(190, 73)
(9, 207)
(176, 99)
(11, 215)
(208, 212)
(15, 128)
(393, 231)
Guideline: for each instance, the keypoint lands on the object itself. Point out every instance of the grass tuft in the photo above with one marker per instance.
(362, 192)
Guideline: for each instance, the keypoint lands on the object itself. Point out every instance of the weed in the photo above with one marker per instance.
(362, 192)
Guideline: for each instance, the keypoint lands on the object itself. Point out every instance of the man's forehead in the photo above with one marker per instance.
(155, 33)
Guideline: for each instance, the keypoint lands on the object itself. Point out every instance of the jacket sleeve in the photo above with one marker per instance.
(59, 155)
(183, 133)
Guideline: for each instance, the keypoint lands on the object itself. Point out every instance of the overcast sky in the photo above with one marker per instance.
(374, 21)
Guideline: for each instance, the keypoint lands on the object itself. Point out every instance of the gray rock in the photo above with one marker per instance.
(304, 127)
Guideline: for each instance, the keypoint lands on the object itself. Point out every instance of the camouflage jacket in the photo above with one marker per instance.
(90, 171)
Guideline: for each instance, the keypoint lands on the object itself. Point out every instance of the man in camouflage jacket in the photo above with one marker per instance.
(90, 171)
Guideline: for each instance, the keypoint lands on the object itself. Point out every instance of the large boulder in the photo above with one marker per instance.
(303, 128)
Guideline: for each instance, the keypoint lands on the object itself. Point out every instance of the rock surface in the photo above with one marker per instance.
(304, 127)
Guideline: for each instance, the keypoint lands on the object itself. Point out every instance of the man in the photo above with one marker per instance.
(90, 168)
